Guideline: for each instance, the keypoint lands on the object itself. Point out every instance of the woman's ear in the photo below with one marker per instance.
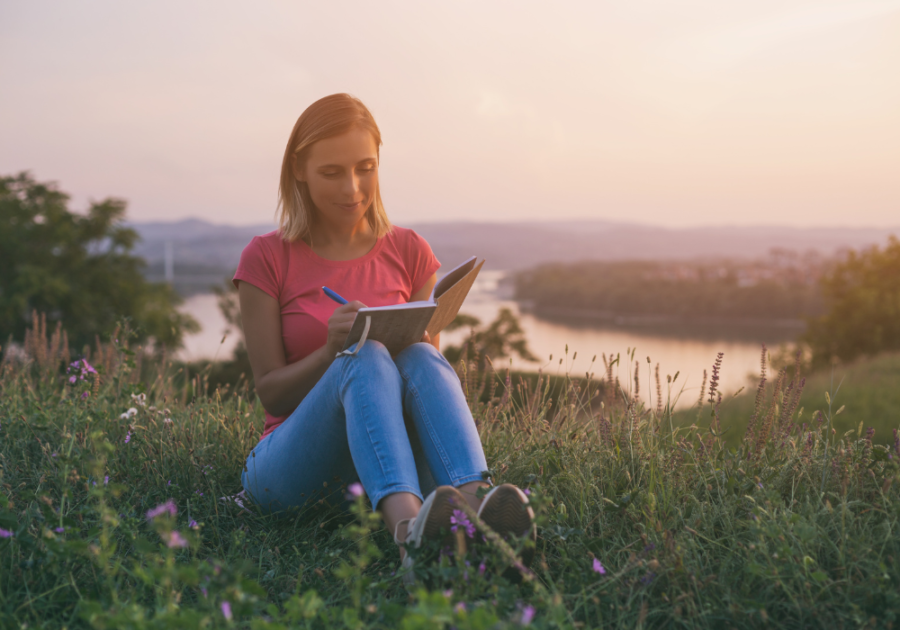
(298, 168)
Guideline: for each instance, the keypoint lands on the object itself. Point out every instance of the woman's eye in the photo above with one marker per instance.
(330, 174)
(367, 170)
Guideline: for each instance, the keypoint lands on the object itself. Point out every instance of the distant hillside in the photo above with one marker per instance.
(205, 252)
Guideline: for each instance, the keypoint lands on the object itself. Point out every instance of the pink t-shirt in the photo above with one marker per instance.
(395, 269)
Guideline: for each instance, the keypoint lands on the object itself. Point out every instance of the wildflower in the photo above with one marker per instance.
(167, 421)
(106, 480)
(460, 607)
(85, 395)
(73, 379)
(193, 524)
(526, 491)
(163, 508)
(129, 413)
(198, 492)
(598, 568)
(128, 437)
(204, 591)
(481, 568)
(355, 490)
(459, 519)
(527, 615)
(5, 533)
(54, 455)
(60, 530)
(448, 593)
(226, 610)
(139, 399)
(176, 540)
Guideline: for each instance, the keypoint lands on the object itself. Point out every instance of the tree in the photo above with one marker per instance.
(862, 298)
(77, 269)
(503, 337)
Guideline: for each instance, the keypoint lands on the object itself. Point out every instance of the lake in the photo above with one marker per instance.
(686, 350)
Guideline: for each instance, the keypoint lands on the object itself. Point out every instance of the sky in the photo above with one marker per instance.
(697, 112)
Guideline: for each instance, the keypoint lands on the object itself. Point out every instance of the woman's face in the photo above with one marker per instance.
(342, 175)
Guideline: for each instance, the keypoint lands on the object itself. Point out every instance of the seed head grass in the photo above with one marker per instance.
(642, 521)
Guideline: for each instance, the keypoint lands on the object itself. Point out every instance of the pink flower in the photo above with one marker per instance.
(527, 615)
(162, 508)
(599, 567)
(460, 607)
(459, 519)
(226, 610)
(481, 569)
(5, 533)
(526, 491)
(73, 379)
(176, 541)
(128, 437)
(355, 490)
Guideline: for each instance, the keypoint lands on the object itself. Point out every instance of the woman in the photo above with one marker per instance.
(400, 425)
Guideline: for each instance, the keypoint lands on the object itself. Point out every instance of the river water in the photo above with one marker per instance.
(685, 351)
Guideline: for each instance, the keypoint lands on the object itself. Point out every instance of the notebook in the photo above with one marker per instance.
(400, 325)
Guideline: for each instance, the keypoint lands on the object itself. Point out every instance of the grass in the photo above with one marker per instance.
(796, 531)
(869, 394)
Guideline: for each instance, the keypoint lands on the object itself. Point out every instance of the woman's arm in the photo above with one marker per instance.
(281, 387)
(423, 294)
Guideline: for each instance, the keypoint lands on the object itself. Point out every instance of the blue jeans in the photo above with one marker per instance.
(397, 424)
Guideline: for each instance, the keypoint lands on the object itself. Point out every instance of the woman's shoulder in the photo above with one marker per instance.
(407, 239)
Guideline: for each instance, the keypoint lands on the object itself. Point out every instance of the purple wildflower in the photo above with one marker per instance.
(163, 508)
(354, 491)
(176, 540)
(226, 610)
(5, 533)
(128, 437)
(598, 568)
(459, 519)
(448, 593)
(527, 615)
(85, 395)
(106, 480)
(460, 607)
(73, 379)
(203, 590)
(481, 568)
(526, 491)
(193, 524)
(60, 530)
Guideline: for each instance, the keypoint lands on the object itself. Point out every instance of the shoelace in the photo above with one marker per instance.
(410, 524)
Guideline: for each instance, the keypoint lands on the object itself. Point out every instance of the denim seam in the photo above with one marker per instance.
(364, 406)
(448, 465)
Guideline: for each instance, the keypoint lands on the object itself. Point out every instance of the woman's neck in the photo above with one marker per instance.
(337, 243)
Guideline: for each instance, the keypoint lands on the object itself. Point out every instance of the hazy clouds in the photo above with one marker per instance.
(675, 113)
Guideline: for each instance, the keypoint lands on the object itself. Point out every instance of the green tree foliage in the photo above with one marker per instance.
(501, 339)
(708, 290)
(862, 296)
(77, 269)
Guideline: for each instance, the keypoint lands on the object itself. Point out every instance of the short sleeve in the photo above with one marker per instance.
(259, 267)
(421, 261)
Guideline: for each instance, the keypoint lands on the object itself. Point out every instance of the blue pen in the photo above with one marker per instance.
(334, 296)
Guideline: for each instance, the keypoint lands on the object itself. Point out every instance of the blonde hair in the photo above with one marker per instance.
(326, 118)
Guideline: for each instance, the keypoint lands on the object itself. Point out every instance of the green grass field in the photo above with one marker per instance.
(639, 525)
(868, 390)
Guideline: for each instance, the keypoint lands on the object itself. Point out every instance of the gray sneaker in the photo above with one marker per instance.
(505, 510)
(432, 522)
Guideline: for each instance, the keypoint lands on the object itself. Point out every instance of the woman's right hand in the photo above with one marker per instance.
(339, 325)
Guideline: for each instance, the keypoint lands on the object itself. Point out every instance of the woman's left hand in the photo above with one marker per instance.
(436, 342)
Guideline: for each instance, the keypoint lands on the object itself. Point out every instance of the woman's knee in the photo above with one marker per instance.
(419, 353)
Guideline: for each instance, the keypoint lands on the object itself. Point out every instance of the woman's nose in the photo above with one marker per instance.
(351, 184)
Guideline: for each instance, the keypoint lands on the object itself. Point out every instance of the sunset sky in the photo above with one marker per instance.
(671, 113)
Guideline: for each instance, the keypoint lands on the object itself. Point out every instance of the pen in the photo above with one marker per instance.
(334, 296)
